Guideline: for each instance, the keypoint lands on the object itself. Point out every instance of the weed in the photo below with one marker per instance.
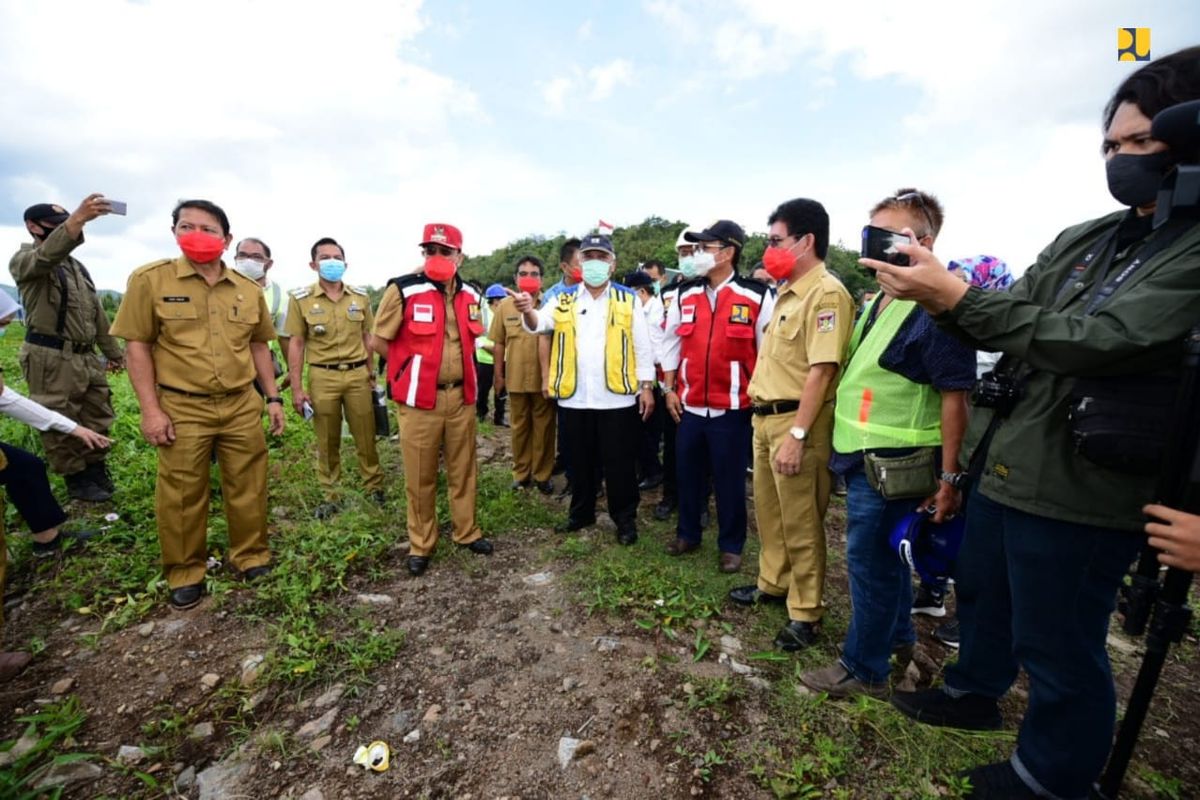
(50, 730)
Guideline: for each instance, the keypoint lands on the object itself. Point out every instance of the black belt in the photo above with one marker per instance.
(186, 393)
(445, 387)
(57, 343)
(782, 407)
(341, 367)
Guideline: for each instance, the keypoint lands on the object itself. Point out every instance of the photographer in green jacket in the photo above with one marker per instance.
(1054, 518)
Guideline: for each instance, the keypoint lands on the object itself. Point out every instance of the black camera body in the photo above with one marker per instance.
(996, 391)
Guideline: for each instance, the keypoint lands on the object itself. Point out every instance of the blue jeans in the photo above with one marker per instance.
(720, 446)
(880, 583)
(1038, 593)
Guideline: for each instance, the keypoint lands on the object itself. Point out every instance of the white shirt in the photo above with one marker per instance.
(653, 309)
(25, 410)
(671, 340)
(591, 319)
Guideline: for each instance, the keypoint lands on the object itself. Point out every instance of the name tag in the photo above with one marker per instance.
(687, 313)
(176, 299)
(422, 312)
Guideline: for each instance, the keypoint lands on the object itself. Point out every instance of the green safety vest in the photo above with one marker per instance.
(876, 407)
(483, 356)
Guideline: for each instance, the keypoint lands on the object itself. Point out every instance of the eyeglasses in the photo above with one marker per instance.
(777, 241)
(437, 250)
(915, 199)
(714, 247)
(528, 274)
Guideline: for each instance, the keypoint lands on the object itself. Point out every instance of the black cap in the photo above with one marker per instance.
(722, 230)
(595, 241)
(46, 212)
(635, 279)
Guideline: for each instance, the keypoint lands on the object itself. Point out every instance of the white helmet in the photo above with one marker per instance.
(681, 242)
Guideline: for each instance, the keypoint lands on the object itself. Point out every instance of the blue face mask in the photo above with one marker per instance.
(595, 272)
(687, 266)
(331, 269)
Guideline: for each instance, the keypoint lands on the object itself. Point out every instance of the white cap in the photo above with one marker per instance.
(682, 242)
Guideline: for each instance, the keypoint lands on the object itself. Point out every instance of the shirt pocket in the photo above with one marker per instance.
(422, 328)
(242, 313)
(739, 331)
(180, 325)
(355, 315)
(686, 329)
(785, 332)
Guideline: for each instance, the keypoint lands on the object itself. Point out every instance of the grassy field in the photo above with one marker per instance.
(810, 747)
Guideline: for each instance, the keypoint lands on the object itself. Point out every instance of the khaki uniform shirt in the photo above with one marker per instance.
(332, 330)
(522, 368)
(811, 325)
(41, 272)
(201, 334)
(391, 316)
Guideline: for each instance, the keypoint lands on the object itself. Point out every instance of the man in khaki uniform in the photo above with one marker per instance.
(65, 323)
(329, 326)
(792, 393)
(519, 370)
(197, 335)
(427, 326)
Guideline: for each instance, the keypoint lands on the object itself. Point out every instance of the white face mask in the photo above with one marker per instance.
(250, 268)
(702, 262)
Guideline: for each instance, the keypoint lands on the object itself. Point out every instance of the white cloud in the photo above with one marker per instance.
(554, 93)
(585, 31)
(607, 77)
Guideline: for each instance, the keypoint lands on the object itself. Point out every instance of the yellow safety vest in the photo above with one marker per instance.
(620, 369)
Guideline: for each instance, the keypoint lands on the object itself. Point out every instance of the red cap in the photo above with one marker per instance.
(441, 233)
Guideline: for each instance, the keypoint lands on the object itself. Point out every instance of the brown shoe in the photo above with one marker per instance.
(730, 562)
(836, 681)
(677, 546)
(12, 664)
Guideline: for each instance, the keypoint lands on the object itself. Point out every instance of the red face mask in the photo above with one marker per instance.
(576, 273)
(529, 284)
(200, 247)
(779, 262)
(440, 268)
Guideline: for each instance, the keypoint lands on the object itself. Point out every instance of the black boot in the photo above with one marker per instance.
(80, 486)
(98, 473)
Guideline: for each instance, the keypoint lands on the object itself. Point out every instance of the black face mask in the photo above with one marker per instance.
(1134, 179)
(46, 230)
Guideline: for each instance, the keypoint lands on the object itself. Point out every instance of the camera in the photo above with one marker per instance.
(996, 391)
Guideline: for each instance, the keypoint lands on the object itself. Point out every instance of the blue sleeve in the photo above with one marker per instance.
(924, 353)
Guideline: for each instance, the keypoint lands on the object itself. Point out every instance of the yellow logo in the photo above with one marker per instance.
(740, 314)
(1133, 44)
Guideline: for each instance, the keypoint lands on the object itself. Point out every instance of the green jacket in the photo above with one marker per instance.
(1031, 464)
(36, 271)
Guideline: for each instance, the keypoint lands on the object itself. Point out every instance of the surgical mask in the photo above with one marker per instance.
(657, 288)
(779, 262)
(687, 266)
(1134, 179)
(440, 268)
(702, 262)
(595, 272)
(200, 247)
(331, 269)
(252, 269)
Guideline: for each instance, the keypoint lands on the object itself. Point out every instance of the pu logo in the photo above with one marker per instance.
(1133, 44)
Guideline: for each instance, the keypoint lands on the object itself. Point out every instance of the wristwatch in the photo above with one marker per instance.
(955, 479)
(798, 433)
(647, 386)
(275, 399)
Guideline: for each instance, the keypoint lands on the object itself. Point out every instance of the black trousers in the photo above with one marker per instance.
(605, 440)
(652, 432)
(486, 375)
(29, 489)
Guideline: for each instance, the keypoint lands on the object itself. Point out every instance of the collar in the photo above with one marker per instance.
(318, 289)
(807, 281)
(184, 268)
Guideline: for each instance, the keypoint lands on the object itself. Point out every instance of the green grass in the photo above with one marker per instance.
(52, 726)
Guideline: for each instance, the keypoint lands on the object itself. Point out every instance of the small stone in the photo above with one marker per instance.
(1162, 734)
(730, 645)
(202, 730)
(67, 774)
(186, 778)
(655, 744)
(62, 686)
(145, 629)
(569, 683)
(412, 736)
(401, 721)
(276, 766)
(689, 689)
(318, 726)
(584, 748)
(437, 652)
(432, 714)
(762, 684)
(606, 644)
(1121, 645)
(538, 578)
(320, 743)
(129, 755)
(312, 794)
(280, 512)
(375, 599)
(566, 750)
(251, 667)
(330, 697)
(20, 748)
(210, 680)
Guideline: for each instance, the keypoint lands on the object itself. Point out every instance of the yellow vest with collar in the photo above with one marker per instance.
(620, 368)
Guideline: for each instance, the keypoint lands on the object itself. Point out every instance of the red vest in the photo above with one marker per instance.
(717, 347)
(415, 355)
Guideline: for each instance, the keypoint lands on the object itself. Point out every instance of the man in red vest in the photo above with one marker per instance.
(426, 325)
(713, 333)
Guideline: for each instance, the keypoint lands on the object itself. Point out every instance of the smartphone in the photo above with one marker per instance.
(880, 244)
(117, 206)
(308, 411)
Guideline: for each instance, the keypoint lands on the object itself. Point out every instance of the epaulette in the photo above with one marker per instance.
(301, 293)
(358, 290)
(153, 265)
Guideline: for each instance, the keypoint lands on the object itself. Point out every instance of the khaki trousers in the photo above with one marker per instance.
(532, 417)
(74, 385)
(336, 393)
(423, 434)
(232, 426)
(790, 510)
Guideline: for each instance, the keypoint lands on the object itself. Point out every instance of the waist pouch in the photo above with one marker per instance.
(1123, 424)
(900, 477)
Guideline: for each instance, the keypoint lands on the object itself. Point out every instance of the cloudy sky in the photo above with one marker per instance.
(363, 120)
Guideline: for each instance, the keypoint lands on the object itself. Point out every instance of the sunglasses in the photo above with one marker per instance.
(915, 199)
(437, 250)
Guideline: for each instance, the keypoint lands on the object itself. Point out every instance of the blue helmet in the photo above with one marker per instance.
(926, 546)
(494, 292)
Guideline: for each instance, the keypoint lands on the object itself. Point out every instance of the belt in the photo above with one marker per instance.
(214, 395)
(781, 407)
(341, 367)
(445, 387)
(57, 343)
